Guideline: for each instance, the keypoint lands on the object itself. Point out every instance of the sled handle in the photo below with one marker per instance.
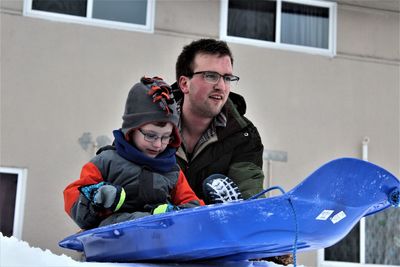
(267, 190)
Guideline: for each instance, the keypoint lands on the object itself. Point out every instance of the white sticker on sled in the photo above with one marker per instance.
(338, 217)
(324, 215)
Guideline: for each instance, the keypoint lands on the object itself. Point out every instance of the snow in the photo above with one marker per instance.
(17, 253)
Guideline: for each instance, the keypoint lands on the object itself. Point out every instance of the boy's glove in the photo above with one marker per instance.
(109, 197)
(163, 208)
(104, 195)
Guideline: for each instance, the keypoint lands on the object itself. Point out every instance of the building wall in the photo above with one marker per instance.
(59, 80)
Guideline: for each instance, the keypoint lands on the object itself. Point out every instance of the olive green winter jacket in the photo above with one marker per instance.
(236, 152)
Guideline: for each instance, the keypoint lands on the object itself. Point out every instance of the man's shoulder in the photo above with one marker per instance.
(239, 103)
(237, 124)
(236, 109)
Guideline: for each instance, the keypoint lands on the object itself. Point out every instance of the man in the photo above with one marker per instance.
(216, 137)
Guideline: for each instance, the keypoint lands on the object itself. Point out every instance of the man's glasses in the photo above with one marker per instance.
(150, 137)
(213, 77)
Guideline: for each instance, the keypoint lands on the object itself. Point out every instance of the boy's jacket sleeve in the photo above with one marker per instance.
(78, 207)
(183, 195)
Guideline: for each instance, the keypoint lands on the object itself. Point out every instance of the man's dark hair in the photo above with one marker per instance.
(184, 64)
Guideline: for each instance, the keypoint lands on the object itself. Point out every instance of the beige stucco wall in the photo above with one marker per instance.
(59, 80)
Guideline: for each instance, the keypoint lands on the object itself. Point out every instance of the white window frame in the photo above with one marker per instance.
(89, 20)
(19, 198)
(330, 51)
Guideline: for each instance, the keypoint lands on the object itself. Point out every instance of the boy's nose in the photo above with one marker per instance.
(157, 143)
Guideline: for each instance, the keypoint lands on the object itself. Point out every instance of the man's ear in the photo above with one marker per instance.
(184, 84)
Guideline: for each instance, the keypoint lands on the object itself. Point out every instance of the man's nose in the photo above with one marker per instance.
(221, 85)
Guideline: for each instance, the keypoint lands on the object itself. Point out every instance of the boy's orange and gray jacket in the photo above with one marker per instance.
(144, 188)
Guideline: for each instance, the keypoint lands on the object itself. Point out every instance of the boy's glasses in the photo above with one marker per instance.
(151, 137)
(213, 77)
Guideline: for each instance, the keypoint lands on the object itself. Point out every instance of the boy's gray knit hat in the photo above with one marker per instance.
(150, 101)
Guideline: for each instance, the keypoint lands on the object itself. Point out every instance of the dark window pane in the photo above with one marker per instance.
(8, 190)
(253, 19)
(382, 238)
(305, 25)
(129, 11)
(69, 7)
(348, 249)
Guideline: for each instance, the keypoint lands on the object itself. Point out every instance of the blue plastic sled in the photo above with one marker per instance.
(317, 213)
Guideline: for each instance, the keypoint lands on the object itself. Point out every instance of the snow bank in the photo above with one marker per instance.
(16, 253)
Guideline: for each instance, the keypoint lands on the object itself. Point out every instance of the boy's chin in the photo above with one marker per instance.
(151, 155)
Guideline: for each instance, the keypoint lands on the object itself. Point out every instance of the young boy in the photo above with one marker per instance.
(138, 176)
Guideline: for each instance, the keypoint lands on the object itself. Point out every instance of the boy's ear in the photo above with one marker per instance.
(129, 136)
(183, 84)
